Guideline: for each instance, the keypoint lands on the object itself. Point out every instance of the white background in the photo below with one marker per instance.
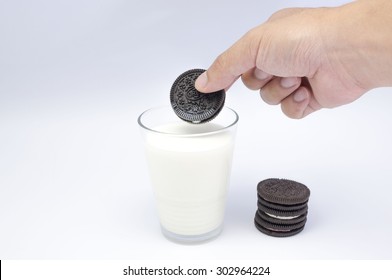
(75, 75)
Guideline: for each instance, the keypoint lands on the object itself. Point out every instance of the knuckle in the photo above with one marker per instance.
(283, 13)
(268, 98)
(221, 62)
(293, 112)
(249, 82)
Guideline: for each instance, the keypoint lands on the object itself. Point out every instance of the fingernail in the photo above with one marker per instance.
(201, 81)
(261, 75)
(300, 95)
(289, 82)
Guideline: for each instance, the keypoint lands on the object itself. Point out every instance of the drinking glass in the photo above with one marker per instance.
(189, 166)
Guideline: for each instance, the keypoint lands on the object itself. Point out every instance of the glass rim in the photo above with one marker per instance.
(233, 123)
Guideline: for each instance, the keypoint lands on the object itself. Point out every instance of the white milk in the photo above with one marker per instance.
(190, 175)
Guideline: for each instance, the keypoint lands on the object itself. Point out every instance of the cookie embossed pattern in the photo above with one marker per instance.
(191, 105)
(283, 191)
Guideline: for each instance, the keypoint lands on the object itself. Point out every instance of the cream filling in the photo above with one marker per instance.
(282, 218)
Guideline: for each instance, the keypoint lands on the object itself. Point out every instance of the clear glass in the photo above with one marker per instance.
(190, 168)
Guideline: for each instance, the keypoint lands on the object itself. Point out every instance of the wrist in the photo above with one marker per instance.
(358, 38)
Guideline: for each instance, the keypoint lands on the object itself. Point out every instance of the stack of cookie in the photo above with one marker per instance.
(282, 207)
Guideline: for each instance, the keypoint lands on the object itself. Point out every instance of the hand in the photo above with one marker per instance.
(308, 59)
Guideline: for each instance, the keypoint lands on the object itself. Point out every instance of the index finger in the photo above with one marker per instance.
(229, 65)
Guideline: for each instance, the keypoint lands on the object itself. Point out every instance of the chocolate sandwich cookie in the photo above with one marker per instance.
(281, 214)
(287, 221)
(278, 226)
(282, 207)
(191, 105)
(277, 233)
(283, 191)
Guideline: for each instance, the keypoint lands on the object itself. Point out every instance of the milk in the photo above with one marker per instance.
(190, 175)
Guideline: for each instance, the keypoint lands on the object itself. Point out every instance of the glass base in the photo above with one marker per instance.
(191, 239)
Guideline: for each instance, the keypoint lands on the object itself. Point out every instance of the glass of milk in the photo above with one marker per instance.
(189, 167)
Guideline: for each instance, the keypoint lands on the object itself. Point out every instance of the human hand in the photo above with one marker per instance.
(308, 59)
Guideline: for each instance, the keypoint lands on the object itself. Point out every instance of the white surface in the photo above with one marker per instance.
(75, 75)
